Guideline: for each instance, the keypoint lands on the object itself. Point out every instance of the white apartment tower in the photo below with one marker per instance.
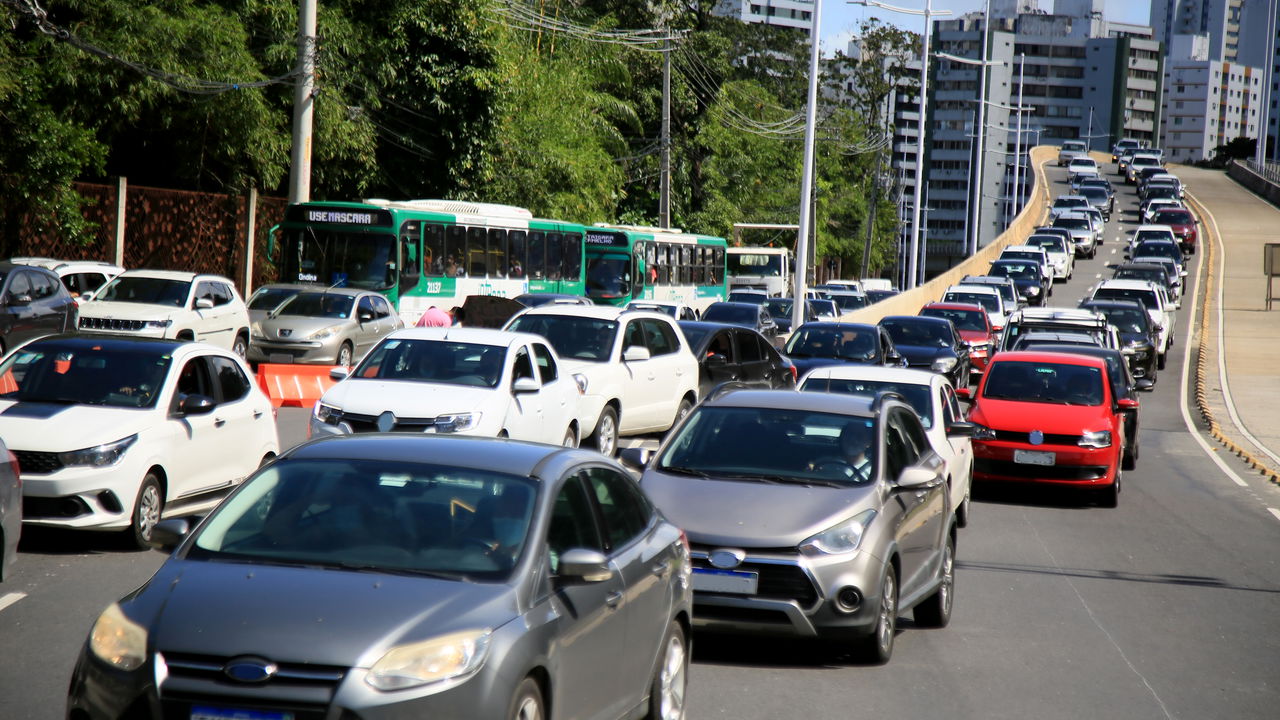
(796, 14)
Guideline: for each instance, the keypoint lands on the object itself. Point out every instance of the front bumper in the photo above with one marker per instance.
(83, 497)
(993, 460)
(316, 352)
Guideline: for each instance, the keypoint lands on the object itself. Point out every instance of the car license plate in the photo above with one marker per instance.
(201, 712)
(725, 581)
(1033, 457)
(281, 357)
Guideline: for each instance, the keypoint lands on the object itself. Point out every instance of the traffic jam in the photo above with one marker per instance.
(526, 508)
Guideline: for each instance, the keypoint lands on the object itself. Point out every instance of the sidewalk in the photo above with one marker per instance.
(1246, 348)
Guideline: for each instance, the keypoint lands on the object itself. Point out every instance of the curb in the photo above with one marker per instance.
(1215, 430)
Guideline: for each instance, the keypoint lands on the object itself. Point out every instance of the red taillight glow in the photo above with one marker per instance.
(795, 374)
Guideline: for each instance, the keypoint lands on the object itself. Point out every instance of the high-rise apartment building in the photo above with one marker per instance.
(797, 14)
(1207, 103)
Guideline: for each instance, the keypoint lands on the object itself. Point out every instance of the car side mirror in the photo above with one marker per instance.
(339, 374)
(366, 316)
(1144, 384)
(635, 353)
(85, 296)
(1127, 403)
(1182, 273)
(169, 534)
(204, 304)
(716, 359)
(961, 428)
(196, 404)
(582, 565)
(525, 384)
(965, 394)
(918, 478)
(635, 457)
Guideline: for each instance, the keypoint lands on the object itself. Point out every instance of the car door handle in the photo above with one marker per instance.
(219, 422)
(257, 414)
(613, 599)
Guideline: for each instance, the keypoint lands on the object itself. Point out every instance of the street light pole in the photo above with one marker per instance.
(974, 225)
(303, 105)
(806, 181)
(1017, 158)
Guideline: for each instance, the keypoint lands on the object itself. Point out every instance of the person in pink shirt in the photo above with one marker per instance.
(435, 317)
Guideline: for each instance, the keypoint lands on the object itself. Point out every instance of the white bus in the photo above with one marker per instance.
(759, 268)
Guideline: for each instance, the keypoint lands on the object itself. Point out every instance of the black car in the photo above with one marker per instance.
(33, 303)
(875, 296)
(729, 353)
(1151, 272)
(817, 344)
(930, 343)
(1123, 386)
(1028, 275)
(780, 309)
(1133, 324)
(748, 315)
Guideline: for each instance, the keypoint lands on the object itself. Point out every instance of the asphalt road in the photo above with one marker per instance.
(1165, 607)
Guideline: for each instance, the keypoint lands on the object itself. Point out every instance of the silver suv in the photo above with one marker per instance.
(829, 514)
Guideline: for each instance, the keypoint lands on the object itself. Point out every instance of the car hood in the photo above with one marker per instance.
(47, 427)
(975, 336)
(297, 327)
(1048, 418)
(348, 619)
(805, 364)
(922, 354)
(1135, 337)
(405, 398)
(128, 310)
(751, 514)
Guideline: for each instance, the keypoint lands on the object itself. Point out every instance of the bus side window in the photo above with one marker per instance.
(475, 252)
(537, 255)
(410, 268)
(497, 256)
(555, 254)
(433, 249)
(717, 267)
(456, 251)
(651, 264)
(516, 254)
(572, 256)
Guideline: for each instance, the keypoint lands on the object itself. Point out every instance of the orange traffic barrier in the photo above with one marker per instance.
(294, 385)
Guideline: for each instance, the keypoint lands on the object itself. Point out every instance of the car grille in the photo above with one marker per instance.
(92, 323)
(33, 462)
(1049, 438)
(1008, 468)
(303, 690)
(369, 423)
(777, 581)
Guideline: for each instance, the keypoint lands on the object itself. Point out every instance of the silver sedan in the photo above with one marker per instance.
(326, 327)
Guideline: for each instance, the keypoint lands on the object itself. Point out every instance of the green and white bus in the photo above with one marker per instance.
(420, 253)
(627, 262)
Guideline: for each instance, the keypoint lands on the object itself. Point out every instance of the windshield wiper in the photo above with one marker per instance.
(727, 476)
(362, 567)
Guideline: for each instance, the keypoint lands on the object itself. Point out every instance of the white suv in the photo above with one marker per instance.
(637, 372)
(170, 304)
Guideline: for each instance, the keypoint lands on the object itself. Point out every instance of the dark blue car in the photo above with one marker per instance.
(817, 344)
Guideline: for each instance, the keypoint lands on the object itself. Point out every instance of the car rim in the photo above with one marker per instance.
(948, 579)
(344, 356)
(608, 434)
(673, 681)
(529, 710)
(148, 510)
(239, 348)
(569, 438)
(888, 611)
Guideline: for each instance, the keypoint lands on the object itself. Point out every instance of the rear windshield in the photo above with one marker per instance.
(1146, 297)
(732, 314)
(962, 319)
(1044, 382)
(990, 302)
(1050, 243)
(1072, 223)
(1174, 217)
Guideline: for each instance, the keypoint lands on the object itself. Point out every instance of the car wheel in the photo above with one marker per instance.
(935, 611)
(344, 355)
(147, 509)
(241, 346)
(1109, 496)
(877, 647)
(526, 704)
(1161, 359)
(605, 437)
(682, 410)
(671, 678)
(570, 438)
(962, 512)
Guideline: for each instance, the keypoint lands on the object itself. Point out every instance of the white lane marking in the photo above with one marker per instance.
(1186, 372)
(1098, 276)
(1275, 512)
(1113, 250)
(12, 598)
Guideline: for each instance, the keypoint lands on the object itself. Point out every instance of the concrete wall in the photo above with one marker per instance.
(1244, 175)
(1032, 215)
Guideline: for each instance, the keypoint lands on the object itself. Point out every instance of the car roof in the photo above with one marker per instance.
(1127, 284)
(1042, 356)
(830, 325)
(733, 304)
(1072, 196)
(986, 280)
(922, 319)
(600, 312)
(120, 342)
(171, 275)
(1024, 248)
(954, 306)
(65, 265)
(506, 456)
(1090, 350)
(795, 400)
(479, 336)
(849, 371)
(986, 289)
(1055, 314)
(1074, 215)
(1112, 302)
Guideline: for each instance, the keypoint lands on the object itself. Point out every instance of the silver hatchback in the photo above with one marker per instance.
(326, 327)
(809, 514)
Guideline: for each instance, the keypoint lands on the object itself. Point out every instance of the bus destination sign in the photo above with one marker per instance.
(606, 239)
(339, 216)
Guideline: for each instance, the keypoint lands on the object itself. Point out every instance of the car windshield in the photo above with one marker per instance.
(1015, 270)
(773, 445)
(920, 333)
(1126, 319)
(916, 395)
(1146, 297)
(147, 290)
(270, 298)
(1044, 382)
(434, 361)
(1050, 243)
(962, 319)
(1149, 274)
(1095, 194)
(314, 304)
(733, 314)
(374, 515)
(71, 372)
(1150, 235)
(1072, 223)
(1161, 248)
(843, 343)
(580, 338)
(779, 307)
(989, 302)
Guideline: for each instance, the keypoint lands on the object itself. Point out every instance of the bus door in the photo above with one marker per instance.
(639, 273)
(410, 263)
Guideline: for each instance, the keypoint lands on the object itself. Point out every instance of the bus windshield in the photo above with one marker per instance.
(342, 259)
(609, 276)
(764, 265)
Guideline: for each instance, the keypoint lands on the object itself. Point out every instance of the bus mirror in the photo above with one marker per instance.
(271, 239)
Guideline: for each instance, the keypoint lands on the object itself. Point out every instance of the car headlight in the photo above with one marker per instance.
(447, 657)
(1096, 439)
(327, 413)
(982, 432)
(457, 422)
(99, 455)
(581, 380)
(979, 346)
(1031, 291)
(156, 324)
(841, 539)
(255, 332)
(117, 640)
(328, 332)
(942, 365)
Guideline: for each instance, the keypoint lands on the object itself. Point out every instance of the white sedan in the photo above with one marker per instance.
(112, 432)
(934, 400)
(470, 381)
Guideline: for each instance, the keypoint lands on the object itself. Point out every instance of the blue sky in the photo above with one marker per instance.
(840, 19)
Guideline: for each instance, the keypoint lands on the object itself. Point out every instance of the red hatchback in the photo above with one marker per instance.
(1049, 418)
(974, 326)
(1183, 224)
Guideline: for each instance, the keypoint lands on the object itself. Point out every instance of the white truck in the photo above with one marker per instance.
(766, 269)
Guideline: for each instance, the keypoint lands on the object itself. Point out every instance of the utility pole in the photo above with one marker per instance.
(664, 178)
(975, 225)
(1017, 147)
(806, 181)
(918, 199)
(303, 105)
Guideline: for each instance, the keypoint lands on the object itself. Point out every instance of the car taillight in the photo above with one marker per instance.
(684, 540)
(795, 374)
(15, 467)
